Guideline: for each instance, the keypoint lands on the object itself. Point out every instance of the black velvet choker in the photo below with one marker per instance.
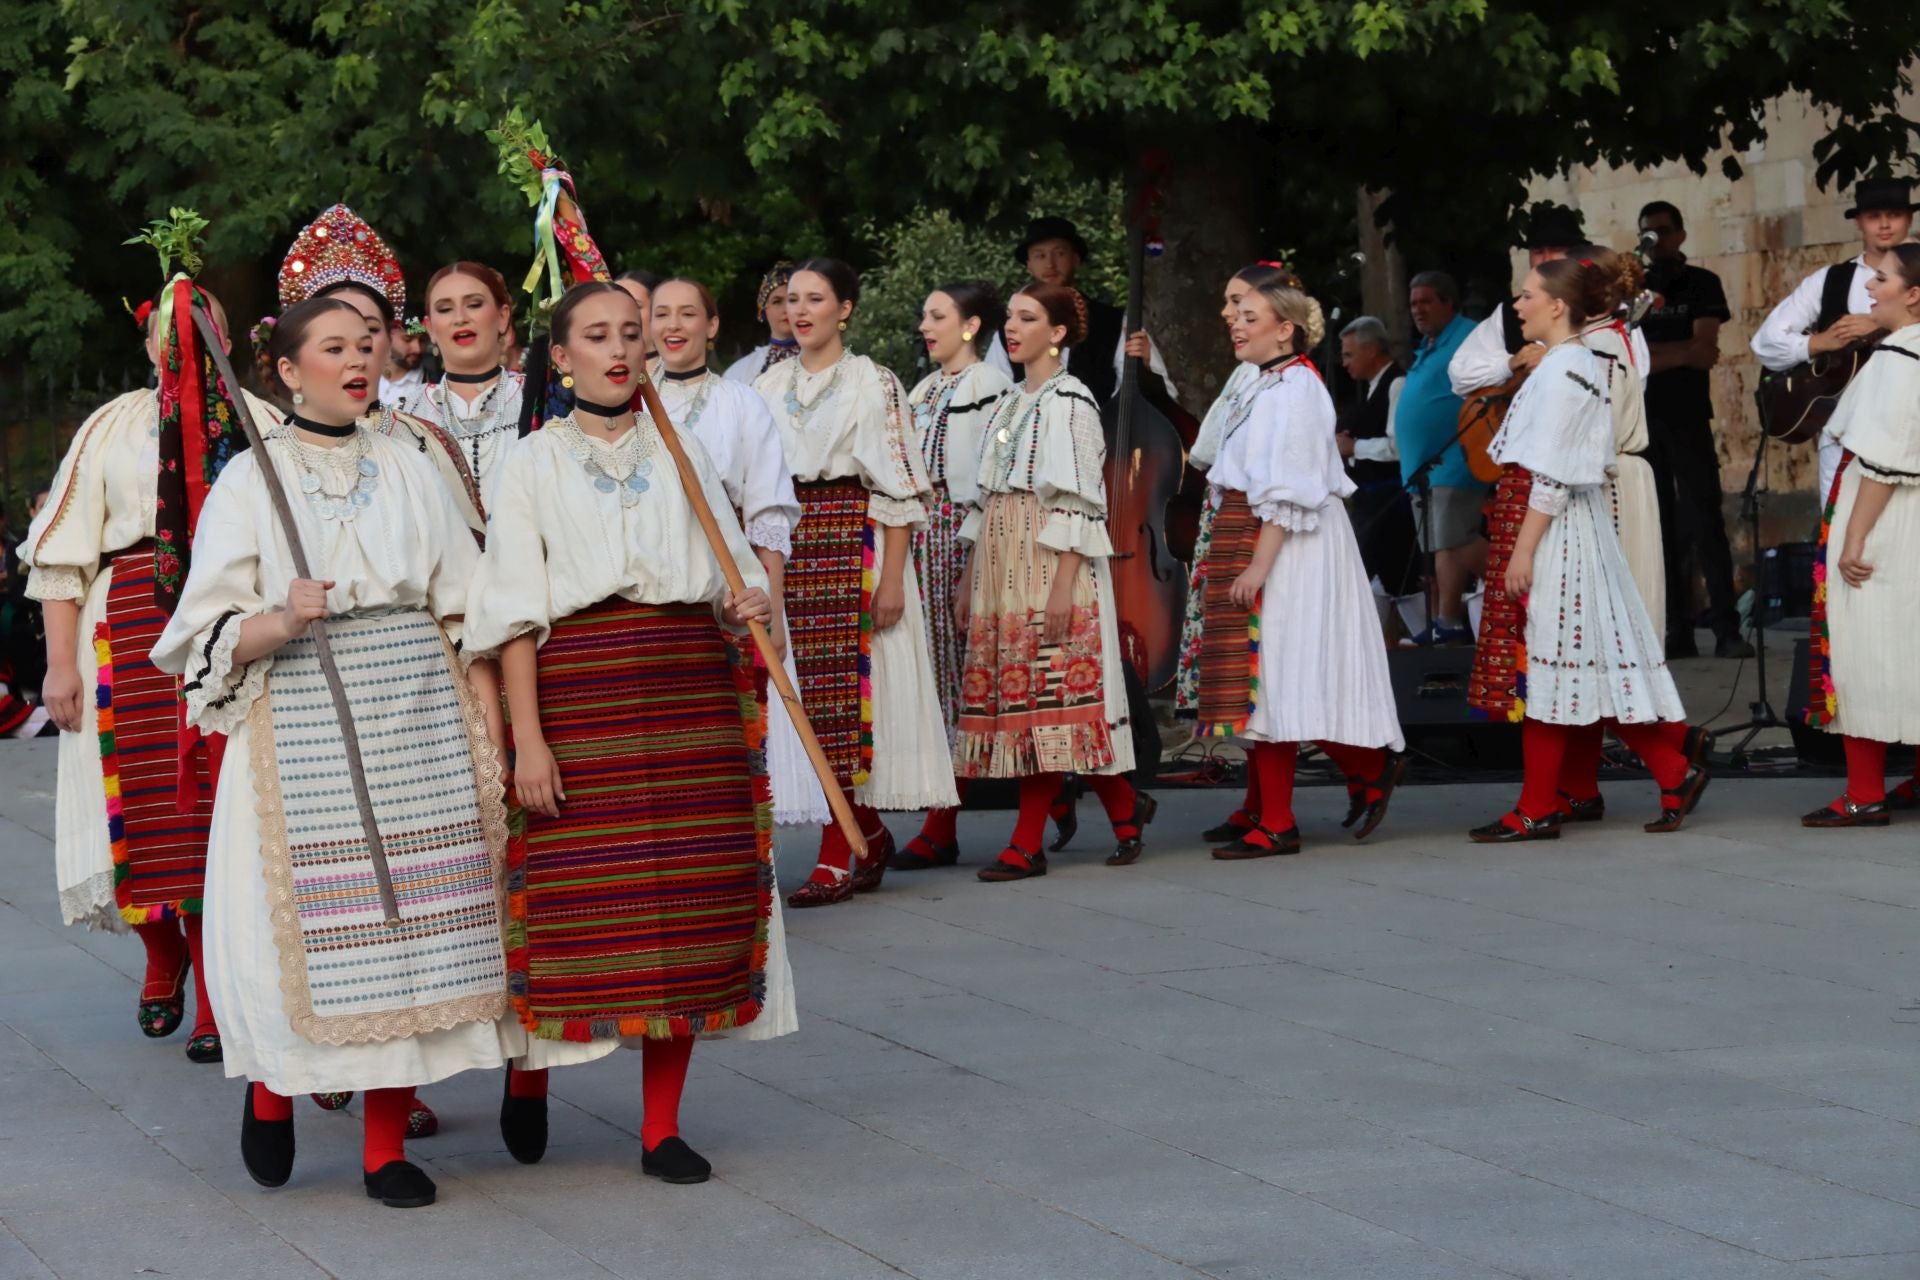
(1275, 363)
(684, 375)
(601, 410)
(321, 428)
(488, 376)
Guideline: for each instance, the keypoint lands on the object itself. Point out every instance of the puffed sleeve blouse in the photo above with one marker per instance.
(1049, 443)
(1560, 427)
(849, 420)
(558, 541)
(950, 414)
(406, 547)
(737, 431)
(1878, 417)
(101, 500)
(1282, 453)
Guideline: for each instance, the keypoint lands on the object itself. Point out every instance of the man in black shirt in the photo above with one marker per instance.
(1683, 339)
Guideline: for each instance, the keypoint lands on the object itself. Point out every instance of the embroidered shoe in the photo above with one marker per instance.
(1846, 812)
(204, 1047)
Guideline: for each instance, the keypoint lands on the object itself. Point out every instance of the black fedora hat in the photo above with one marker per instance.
(1553, 226)
(1050, 229)
(1874, 195)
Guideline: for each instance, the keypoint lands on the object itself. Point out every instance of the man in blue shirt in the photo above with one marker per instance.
(1425, 422)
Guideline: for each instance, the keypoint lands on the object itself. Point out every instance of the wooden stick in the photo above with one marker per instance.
(776, 670)
(356, 770)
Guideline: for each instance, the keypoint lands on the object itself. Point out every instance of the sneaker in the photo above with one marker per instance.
(1439, 633)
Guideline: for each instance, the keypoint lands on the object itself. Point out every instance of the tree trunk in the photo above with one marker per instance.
(1383, 276)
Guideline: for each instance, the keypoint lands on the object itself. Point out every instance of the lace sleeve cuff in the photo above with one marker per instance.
(775, 534)
(896, 512)
(1076, 531)
(56, 582)
(1548, 497)
(1289, 516)
(218, 695)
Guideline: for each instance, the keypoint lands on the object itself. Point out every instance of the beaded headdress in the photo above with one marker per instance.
(338, 246)
(777, 276)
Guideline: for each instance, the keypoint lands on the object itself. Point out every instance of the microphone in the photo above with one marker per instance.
(1648, 240)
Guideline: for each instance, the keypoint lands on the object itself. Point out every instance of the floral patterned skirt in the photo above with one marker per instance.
(1028, 707)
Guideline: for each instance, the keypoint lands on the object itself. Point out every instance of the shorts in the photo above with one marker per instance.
(1456, 517)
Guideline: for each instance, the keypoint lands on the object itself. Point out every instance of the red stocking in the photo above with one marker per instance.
(663, 1078)
(1866, 770)
(386, 1127)
(203, 1020)
(268, 1105)
(939, 828)
(1275, 762)
(1361, 766)
(527, 1084)
(1661, 747)
(836, 855)
(167, 954)
(1037, 791)
(1580, 770)
(1544, 750)
(1117, 797)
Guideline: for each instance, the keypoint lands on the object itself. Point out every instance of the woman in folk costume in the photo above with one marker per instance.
(1290, 647)
(106, 557)
(771, 310)
(1592, 654)
(950, 408)
(1635, 499)
(643, 900)
(477, 400)
(338, 255)
(733, 426)
(318, 990)
(1865, 684)
(854, 617)
(1206, 444)
(1041, 693)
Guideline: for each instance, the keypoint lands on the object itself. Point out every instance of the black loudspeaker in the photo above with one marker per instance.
(1430, 693)
(1786, 581)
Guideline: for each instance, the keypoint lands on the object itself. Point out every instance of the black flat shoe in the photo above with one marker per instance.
(1547, 828)
(1677, 803)
(1066, 824)
(1356, 807)
(869, 871)
(1128, 850)
(266, 1146)
(204, 1047)
(1226, 831)
(1849, 814)
(523, 1124)
(1279, 844)
(1005, 868)
(400, 1185)
(1582, 810)
(1904, 796)
(1374, 812)
(1698, 746)
(922, 854)
(676, 1162)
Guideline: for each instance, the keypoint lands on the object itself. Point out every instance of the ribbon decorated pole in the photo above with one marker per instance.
(565, 254)
(349, 738)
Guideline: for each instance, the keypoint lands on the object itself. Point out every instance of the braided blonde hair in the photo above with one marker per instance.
(1291, 302)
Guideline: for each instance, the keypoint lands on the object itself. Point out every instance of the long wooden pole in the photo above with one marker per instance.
(356, 770)
(776, 670)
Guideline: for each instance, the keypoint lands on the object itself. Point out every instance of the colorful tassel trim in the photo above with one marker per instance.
(1230, 728)
(869, 579)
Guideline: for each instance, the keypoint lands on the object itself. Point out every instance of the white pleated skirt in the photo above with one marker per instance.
(1636, 509)
(797, 798)
(1323, 656)
(912, 760)
(1593, 651)
(82, 849)
(1872, 628)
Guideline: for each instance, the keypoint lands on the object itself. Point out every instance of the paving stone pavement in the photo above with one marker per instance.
(1414, 1059)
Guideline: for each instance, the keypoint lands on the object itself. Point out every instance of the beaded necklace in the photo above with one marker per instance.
(802, 415)
(930, 422)
(686, 412)
(1017, 416)
(489, 421)
(623, 469)
(361, 472)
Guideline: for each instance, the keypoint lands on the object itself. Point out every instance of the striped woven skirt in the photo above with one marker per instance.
(1186, 682)
(1823, 704)
(940, 557)
(159, 845)
(829, 594)
(1026, 706)
(1229, 634)
(1497, 686)
(644, 908)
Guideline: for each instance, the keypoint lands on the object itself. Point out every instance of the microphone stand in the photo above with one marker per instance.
(1764, 717)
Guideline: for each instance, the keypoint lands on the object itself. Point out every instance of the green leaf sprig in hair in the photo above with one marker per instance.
(176, 239)
(524, 152)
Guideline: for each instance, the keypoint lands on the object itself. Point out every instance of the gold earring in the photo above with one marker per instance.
(843, 326)
(298, 399)
(566, 380)
(1054, 352)
(966, 335)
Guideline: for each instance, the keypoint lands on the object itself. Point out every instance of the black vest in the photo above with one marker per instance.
(1510, 329)
(1836, 289)
(1366, 419)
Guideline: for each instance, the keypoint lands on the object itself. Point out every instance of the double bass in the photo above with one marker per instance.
(1145, 464)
